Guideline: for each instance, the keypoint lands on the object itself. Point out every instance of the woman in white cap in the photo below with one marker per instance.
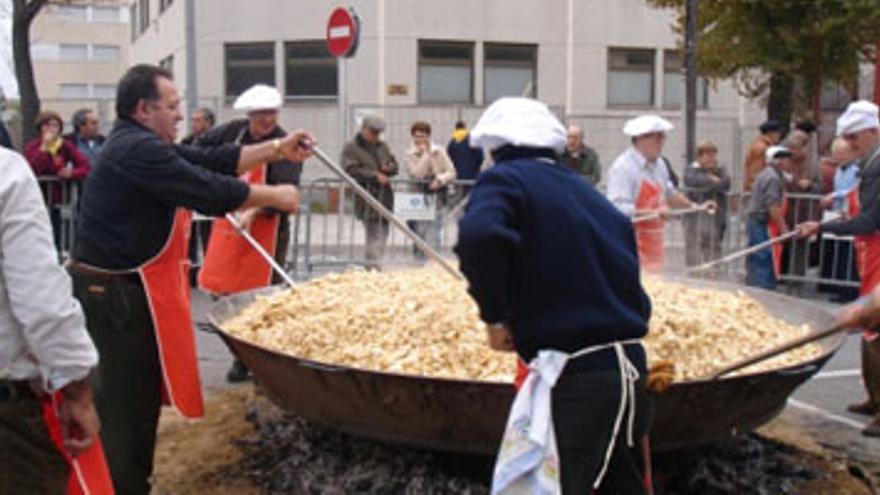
(554, 270)
(231, 265)
(860, 127)
(639, 184)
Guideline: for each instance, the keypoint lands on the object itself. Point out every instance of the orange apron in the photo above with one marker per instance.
(649, 234)
(166, 283)
(89, 474)
(867, 254)
(231, 265)
(773, 230)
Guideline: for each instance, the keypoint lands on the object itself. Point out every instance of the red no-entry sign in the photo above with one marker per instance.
(343, 32)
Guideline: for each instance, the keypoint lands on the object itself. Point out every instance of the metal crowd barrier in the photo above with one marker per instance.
(62, 200)
(329, 234)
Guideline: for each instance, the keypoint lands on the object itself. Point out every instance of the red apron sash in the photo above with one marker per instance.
(867, 254)
(649, 234)
(166, 283)
(89, 474)
(774, 230)
(231, 265)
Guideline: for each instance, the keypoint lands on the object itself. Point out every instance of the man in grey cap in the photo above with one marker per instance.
(369, 160)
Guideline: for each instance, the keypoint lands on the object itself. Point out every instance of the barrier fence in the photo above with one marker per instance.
(328, 235)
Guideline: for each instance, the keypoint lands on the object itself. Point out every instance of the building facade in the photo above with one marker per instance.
(595, 62)
(79, 52)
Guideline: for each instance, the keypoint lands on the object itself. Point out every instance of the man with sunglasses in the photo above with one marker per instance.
(860, 127)
(639, 185)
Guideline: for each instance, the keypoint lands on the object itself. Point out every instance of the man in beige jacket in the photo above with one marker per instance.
(429, 163)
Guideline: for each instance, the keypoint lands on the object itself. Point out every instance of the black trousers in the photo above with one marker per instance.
(585, 406)
(29, 462)
(128, 381)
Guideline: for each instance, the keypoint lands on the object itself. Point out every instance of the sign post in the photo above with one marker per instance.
(343, 36)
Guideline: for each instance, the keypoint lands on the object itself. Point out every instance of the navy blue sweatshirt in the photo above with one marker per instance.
(547, 254)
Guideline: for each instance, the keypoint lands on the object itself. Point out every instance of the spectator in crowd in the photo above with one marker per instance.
(839, 260)
(231, 265)
(369, 160)
(771, 134)
(802, 188)
(52, 156)
(580, 157)
(467, 159)
(429, 163)
(200, 122)
(767, 218)
(5, 138)
(706, 180)
(86, 135)
(44, 346)
(639, 185)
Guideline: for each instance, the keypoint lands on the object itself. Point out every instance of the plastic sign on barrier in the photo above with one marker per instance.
(415, 206)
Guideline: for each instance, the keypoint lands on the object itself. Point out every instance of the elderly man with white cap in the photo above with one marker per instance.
(639, 184)
(766, 218)
(553, 267)
(231, 265)
(860, 127)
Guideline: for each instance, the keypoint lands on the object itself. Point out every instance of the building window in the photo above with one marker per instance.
(104, 91)
(509, 70)
(248, 64)
(673, 82)
(164, 4)
(167, 63)
(78, 13)
(446, 72)
(105, 14)
(630, 77)
(133, 20)
(143, 15)
(73, 52)
(105, 53)
(309, 70)
(74, 91)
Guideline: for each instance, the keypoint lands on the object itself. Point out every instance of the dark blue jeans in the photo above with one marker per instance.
(759, 266)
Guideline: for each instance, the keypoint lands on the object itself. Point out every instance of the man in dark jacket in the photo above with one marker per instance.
(128, 262)
(467, 159)
(575, 310)
(860, 127)
(369, 160)
(706, 180)
(86, 135)
(580, 157)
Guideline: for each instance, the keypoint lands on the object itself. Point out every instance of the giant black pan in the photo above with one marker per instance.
(469, 416)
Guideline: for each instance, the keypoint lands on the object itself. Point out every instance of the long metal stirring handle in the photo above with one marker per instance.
(775, 351)
(259, 248)
(385, 213)
(751, 249)
(672, 213)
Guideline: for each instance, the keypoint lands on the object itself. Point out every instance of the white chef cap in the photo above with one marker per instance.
(258, 97)
(519, 122)
(646, 124)
(859, 115)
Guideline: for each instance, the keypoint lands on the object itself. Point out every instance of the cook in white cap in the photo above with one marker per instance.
(860, 127)
(230, 264)
(553, 268)
(766, 218)
(639, 185)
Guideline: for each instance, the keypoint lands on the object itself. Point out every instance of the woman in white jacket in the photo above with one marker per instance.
(428, 163)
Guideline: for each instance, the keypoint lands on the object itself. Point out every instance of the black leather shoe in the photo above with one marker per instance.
(238, 372)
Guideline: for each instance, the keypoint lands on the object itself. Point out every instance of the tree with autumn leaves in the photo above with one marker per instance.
(783, 50)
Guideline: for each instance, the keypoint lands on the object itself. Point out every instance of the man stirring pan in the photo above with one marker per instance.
(575, 310)
(130, 269)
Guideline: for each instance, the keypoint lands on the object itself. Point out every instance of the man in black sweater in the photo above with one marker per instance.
(578, 303)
